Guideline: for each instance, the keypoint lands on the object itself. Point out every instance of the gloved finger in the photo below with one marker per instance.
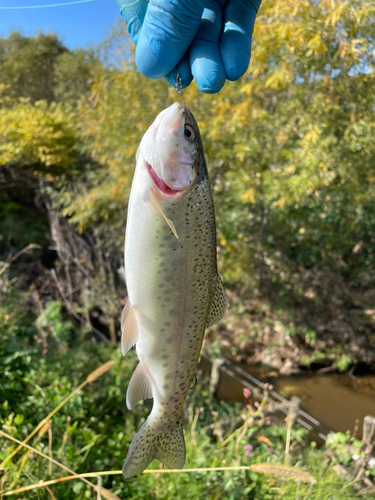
(133, 13)
(184, 70)
(239, 18)
(204, 54)
(167, 31)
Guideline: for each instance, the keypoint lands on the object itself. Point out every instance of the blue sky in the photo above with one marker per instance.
(77, 25)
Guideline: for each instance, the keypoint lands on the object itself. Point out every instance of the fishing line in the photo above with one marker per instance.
(129, 4)
(43, 6)
(179, 86)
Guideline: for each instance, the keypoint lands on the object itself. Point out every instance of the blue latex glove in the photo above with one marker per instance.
(208, 40)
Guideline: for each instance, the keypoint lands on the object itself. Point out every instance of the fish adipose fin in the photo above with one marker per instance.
(129, 328)
(159, 211)
(168, 447)
(219, 303)
(139, 387)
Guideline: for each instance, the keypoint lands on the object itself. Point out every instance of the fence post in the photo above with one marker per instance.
(215, 375)
(368, 429)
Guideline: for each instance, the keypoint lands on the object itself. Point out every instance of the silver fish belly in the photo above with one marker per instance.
(174, 293)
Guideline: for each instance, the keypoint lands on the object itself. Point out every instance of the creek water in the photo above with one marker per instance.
(339, 401)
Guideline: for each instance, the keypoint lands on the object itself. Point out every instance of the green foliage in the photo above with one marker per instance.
(21, 226)
(345, 448)
(74, 73)
(344, 362)
(93, 431)
(27, 65)
(289, 147)
(291, 157)
(51, 318)
(18, 350)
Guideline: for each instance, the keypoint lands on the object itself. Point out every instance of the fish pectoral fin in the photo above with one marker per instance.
(129, 327)
(140, 387)
(159, 210)
(219, 303)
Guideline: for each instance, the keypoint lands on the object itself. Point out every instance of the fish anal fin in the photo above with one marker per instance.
(140, 387)
(159, 211)
(129, 323)
(219, 303)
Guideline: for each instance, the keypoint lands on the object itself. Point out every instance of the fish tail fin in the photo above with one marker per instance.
(168, 447)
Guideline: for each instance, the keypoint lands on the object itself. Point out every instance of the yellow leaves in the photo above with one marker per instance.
(38, 134)
(281, 137)
(249, 196)
(280, 77)
(336, 14)
(311, 136)
(316, 45)
(281, 203)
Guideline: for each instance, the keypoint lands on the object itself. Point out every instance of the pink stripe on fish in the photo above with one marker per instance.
(161, 185)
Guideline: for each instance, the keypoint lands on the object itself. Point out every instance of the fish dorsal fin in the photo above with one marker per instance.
(219, 303)
(129, 328)
(139, 387)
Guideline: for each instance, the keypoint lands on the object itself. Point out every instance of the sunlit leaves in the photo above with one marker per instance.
(41, 137)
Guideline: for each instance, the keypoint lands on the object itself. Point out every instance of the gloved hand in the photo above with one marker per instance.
(208, 40)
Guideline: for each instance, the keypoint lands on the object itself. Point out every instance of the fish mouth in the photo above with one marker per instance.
(161, 185)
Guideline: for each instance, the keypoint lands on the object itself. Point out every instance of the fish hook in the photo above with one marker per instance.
(179, 86)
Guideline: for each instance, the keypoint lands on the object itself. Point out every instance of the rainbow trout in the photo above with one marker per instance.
(174, 290)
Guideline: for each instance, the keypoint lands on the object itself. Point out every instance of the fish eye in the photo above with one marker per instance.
(189, 132)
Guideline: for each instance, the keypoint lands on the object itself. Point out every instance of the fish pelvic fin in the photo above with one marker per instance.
(129, 328)
(168, 447)
(131, 318)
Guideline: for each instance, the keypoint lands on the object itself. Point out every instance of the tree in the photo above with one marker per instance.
(27, 65)
(74, 74)
(289, 147)
(41, 139)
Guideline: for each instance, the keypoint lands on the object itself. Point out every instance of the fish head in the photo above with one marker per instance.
(171, 149)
